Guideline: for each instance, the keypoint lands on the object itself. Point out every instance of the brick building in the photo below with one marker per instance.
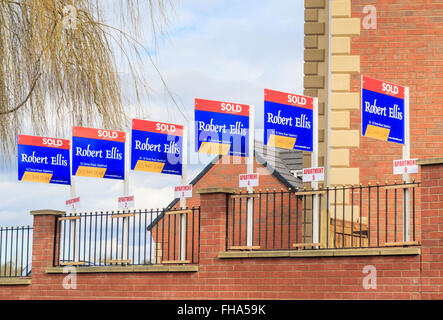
(396, 41)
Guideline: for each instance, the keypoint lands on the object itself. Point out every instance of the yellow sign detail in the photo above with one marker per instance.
(93, 172)
(149, 166)
(214, 148)
(377, 132)
(281, 142)
(37, 177)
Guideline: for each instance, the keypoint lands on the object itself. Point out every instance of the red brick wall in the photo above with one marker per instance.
(398, 277)
(432, 231)
(406, 48)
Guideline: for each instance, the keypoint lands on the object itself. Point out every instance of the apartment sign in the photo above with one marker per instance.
(405, 166)
(248, 180)
(313, 174)
(42, 159)
(183, 191)
(221, 128)
(98, 153)
(288, 120)
(73, 204)
(126, 202)
(383, 110)
(156, 147)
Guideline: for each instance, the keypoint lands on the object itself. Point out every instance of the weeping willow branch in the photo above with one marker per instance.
(57, 71)
(21, 104)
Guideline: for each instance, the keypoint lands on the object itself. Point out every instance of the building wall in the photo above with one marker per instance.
(396, 41)
(404, 276)
(431, 174)
(406, 48)
(316, 56)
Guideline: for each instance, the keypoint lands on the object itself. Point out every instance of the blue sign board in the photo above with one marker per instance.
(42, 159)
(221, 128)
(156, 147)
(383, 110)
(288, 121)
(98, 153)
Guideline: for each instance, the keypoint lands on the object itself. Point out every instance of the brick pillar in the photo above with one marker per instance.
(432, 228)
(213, 206)
(315, 82)
(43, 240)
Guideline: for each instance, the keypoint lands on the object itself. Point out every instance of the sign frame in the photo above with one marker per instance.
(158, 161)
(46, 147)
(406, 151)
(234, 115)
(99, 169)
(290, 134)
(387, 91)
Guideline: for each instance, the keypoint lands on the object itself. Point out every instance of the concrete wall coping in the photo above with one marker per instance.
(14, 281)
(47, 212)
(321, 253)
(128, 269)
(425, 162)
(215, 190)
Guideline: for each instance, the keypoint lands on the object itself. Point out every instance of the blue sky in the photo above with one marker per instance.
(221, 50)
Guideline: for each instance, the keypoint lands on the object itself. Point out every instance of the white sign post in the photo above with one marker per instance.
(74, 204)
(126, 199)
(250, 170)
(183, 196)
(314, 183)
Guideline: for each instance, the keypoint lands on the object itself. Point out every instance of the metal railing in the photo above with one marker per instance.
(140, 237)
(348, 217)
(15, 251)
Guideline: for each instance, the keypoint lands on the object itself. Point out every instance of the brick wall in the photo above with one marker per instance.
(398, 277)
(405, 48)
(432, 230)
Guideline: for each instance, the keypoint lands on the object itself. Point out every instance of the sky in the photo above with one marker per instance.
(226, 50)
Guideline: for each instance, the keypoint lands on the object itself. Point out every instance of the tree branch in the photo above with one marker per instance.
(21, 104)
